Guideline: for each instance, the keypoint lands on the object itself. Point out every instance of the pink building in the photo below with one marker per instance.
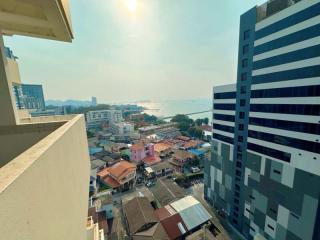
(140, 151)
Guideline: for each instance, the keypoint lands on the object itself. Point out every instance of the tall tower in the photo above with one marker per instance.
(265, 167)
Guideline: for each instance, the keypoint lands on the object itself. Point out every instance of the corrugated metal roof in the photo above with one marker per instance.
(194, 216)
(184, 203)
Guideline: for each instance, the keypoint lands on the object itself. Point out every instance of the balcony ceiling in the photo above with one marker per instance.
(48, 19)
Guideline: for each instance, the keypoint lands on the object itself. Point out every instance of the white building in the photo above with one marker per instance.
(122, 128)
(96, 118)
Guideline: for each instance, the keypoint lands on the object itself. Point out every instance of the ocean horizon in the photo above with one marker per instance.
(166, 108)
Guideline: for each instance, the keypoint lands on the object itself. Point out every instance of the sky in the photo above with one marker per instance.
(134, 50)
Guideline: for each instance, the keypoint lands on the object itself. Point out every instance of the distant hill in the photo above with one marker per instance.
(69, 102)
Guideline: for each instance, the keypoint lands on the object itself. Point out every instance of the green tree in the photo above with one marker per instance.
(183, 126)
(199, 121)
(182, 118)
(206, 120)
(195, 132)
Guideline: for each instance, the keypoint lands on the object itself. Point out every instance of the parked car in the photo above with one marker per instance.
(150, 183)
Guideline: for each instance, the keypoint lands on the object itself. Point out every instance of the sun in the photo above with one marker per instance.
(131, 5)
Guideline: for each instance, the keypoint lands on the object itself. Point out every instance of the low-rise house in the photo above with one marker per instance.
(151, 160)
(183, 138)
(192, 144)
(162, 169)
(120, 176)
(171, 222)
(105, 204)
(167, 133)
(141, 150)
(97, 164)
(207, 132)
(180, 158)
(141, 221)
(149, 173)
(162, 149)
(192, 212)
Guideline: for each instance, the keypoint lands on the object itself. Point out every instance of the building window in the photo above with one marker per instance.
(241, 127)
(237, 187)
(246, 35)
(244, 77)
(236, 201)
(240, 138)
(245, 49)
(241, 115)
(238, 173)
(239, 164)
(243, 89)
(242, 102)
(245, 63)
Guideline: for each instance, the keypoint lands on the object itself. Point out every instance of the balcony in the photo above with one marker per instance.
(44, 176)
(272, 7)
(45, 19)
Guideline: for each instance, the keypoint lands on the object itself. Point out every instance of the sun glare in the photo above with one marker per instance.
(131, 5)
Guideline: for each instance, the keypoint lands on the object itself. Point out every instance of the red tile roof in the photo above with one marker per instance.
(170, 225)
(162, 213)
(113, 175)
(183, 138)
(206, 128)
(191, 144)
(159, 147)
(151, 160)
(137, 146)
(111, 182)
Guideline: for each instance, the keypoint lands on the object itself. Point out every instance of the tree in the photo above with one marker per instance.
(195, 132)
(199, 121)
(183, 126)
(182, 118)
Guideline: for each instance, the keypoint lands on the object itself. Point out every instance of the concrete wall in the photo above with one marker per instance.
(14, 140)
(44, 191)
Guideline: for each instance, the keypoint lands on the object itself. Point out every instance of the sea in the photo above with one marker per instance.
(166, 108)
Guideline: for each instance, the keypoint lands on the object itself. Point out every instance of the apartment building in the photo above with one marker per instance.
(122, 128)
(30, 96)
(265, 168)
(42, 194)
(103, 117)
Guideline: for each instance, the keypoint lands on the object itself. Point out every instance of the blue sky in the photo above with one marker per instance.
(165, 49)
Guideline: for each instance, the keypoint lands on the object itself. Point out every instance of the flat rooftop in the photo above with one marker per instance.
(272, 7)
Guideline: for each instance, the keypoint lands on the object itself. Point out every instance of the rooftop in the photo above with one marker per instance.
(191, 211)
(159, 147)
(272, 7)
(118, 170)
(152, 160)
(139, 212)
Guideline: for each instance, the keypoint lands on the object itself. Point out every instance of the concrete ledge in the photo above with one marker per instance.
(44, 191)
